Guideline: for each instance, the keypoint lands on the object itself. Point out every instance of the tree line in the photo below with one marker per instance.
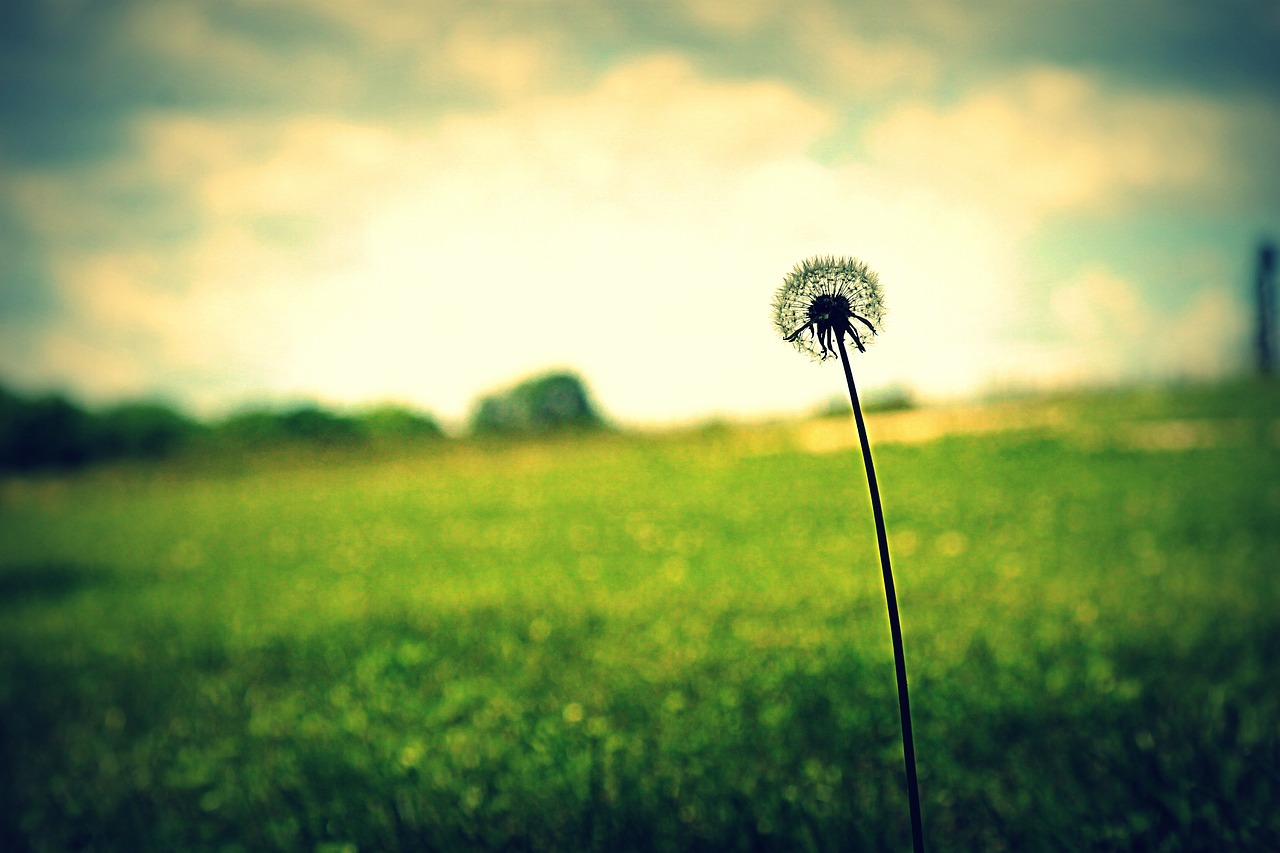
(53, 431)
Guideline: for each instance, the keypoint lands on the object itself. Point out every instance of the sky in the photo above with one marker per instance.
(219, 202)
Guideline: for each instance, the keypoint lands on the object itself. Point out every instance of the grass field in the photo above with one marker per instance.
(672, 642)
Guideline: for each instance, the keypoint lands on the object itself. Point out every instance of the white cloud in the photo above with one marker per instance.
(388, 23)
(732, 17)
(1053, 140)
(1109, 330)
(504, 63)
(184, 36)
(846, 62)
(823, 46)
(409, 57)
(634, 230)
(302, 165)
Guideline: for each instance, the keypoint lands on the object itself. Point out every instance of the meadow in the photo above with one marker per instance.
(660, 642)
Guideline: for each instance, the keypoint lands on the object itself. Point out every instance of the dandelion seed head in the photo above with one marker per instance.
(826, 299)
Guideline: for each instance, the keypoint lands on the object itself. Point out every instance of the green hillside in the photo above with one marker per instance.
(664, 642)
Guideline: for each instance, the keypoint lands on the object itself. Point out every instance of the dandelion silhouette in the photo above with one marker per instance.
(821, 302)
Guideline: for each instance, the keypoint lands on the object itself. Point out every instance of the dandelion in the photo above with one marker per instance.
(822, 302)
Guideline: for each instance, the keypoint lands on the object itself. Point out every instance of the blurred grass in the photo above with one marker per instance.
(668, 642)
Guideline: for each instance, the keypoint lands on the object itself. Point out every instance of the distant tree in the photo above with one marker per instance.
(313, 423)
(543, 404)
(495, 415)
(141, 430)
(42, 432)
(51, 431)
(1265, 302)
(250, 425)
(10, 404)
(398, 422)
(894, 398)
(308, 423)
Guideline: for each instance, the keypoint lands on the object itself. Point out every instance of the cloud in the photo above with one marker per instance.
(1100, 305)
(819, 45)
(732, 17)
(848, 64)
(1109, 330)
(632, 226)
(1053, 140)
(1182, 45)
(634, 230)
(428, 54)
(207, 53)
(502, 62)
(387, 22)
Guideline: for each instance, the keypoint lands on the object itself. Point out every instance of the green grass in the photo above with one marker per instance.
(669, 642)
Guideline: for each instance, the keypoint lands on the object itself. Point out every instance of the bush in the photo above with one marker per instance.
(398, 423)
(140, 431)
(48, 431)
(308, 423)
(52, 432)
(543, 404)
(894, 398)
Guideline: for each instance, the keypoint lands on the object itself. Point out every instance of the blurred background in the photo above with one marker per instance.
(317, 238)
(418, 202)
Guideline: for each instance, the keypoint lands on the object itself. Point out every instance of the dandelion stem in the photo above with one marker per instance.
(891, 598)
